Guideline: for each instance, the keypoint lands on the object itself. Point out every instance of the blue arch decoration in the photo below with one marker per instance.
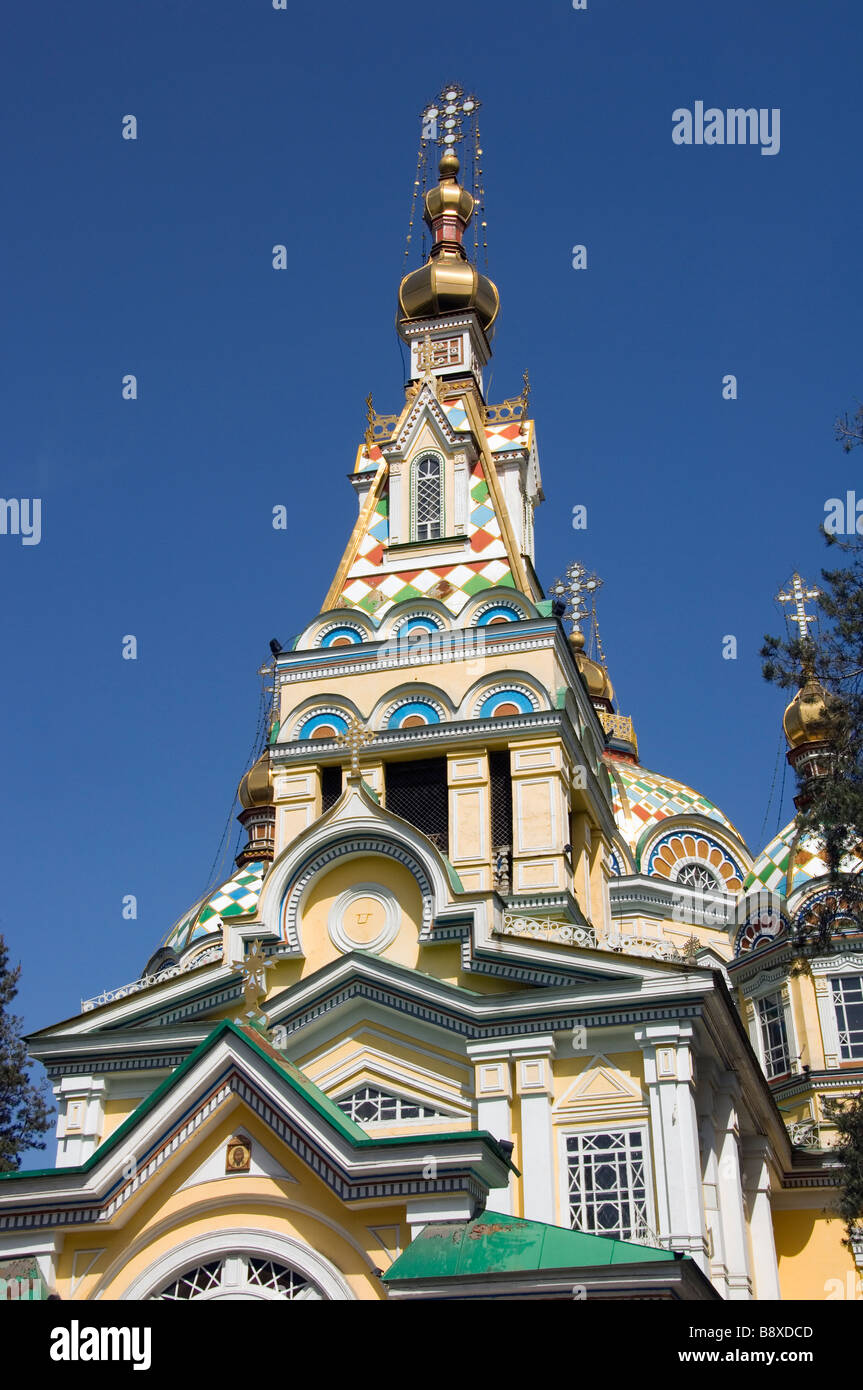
(505, 697)
(500, 610)
(420, 707)
(341, 634)
(336, 721)
(419, 624)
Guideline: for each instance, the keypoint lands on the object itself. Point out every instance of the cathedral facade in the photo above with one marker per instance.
(488, 1008)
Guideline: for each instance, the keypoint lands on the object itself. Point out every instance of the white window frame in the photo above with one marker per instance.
(642, 1131)
(414, 521)
(776, 999)
(825, 969)
(765, 986)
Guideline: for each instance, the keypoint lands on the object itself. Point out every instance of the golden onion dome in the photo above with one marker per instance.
(808, 718)
(599, 686)
(448, 283)
(255, 788)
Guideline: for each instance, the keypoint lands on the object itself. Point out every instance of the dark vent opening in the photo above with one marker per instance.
(331, 786)
(418, 793)
(500, 779)
(501, 799)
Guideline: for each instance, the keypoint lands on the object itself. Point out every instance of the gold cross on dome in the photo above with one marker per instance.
(355, 738)
(798, 594)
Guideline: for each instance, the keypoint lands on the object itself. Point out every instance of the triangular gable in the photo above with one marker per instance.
(599, 1083)
(233, 1066)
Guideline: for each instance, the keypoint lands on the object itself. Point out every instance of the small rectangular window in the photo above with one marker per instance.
(418, 792)
(331, 787)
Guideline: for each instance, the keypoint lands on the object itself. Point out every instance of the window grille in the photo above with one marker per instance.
(369, 1105)
(417, 791)
(774, 1037)
(607, 1187)
(848, 1002)
(699, 876)
(331, 787)
(428, 498)
(500, 781)
(239, 1276)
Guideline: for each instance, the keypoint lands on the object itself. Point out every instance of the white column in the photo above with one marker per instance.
(731, 1205)
(493, 1088)
(80, 1119)
(706, 1101)
(668, 1071)
(762, 1246)
(397, 509)
(534, 1084)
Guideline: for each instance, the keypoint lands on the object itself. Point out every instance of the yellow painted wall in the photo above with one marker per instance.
(811, 1255)
(306, 1210)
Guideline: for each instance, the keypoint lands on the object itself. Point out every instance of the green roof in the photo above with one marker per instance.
(299, 1082)
(494, 1244)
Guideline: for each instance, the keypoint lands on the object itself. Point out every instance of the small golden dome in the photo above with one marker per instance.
(255, 788)
(599, 686)
(808, 718)
(448, 283)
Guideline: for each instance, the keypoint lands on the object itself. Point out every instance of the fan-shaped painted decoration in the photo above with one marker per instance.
(697, 860)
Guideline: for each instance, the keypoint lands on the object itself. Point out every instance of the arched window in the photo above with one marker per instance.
(427, 499)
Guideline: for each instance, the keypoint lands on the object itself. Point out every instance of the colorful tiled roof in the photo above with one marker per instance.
(642, 799)
(770, 869)
(235, 898)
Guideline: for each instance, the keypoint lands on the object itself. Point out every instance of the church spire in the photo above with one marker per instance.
(809, 718)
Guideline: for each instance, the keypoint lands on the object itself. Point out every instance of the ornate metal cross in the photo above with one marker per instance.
(798, 593)
(442, 118)
(355, 738)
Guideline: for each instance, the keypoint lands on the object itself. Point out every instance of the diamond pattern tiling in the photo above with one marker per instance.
(235, 898)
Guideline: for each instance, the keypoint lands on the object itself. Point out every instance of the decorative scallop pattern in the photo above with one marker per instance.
(675, 854)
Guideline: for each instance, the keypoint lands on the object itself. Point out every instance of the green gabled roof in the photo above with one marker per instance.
(298, 1081)
(493, 1244)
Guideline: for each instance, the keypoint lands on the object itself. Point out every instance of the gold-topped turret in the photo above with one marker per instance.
(448, 283)
(258, 816)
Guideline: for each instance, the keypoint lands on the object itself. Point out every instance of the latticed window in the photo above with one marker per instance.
(427, 475)
(607, 1187)
(848, 1003)
(331, 787)
(369, 1105)
(239, 1276)
(774, 1036)
(418, 793)
(699, 876)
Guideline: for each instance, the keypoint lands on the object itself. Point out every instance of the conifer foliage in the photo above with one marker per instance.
(24, 1113)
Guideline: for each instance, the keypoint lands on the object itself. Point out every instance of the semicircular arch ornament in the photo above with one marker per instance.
(290, 910)
(240, 1278)
(341, 635)
(761, 926)
(833, 911)
(497, 613)
(504, 700)
(325, 722)
(422, 620)
(689, 857)
(410, 713)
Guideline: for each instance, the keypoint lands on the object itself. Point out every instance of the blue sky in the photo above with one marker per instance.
(300, 127)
